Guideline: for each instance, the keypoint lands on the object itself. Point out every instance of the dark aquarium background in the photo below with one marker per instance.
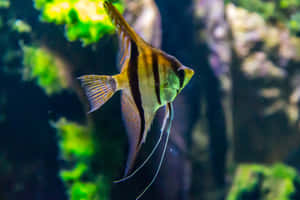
(236, 130)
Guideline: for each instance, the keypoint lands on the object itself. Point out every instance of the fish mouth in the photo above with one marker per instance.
(189, 73)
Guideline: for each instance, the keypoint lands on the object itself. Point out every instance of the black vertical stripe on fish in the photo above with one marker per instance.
(180, 73)
(156, 76)
(134, 86)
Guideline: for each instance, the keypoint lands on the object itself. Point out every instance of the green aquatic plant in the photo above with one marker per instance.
(97, 190)
(289, 4)
(77, 146)
(83, 191)
(245, 181)
(93, 189)
(265, 8)
(40, 64)
(270, 183)
(83, 19)
(75, 140)
(282, 180)
(4, 3)
(75, 173)
(294, 23)
(21, 26)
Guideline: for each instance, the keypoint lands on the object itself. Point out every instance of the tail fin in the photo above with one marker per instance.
(98, 89)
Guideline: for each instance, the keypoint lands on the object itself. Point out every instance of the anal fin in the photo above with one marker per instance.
(133, 125)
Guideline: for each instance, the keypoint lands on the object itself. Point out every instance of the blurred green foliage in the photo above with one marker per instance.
(75, 140)
(89, 191)
(40, 64)
(281, 11)
(4, 3)
(75, 173)
(84, 19)
(259, 182)
(21, 26)
(83, 191)
(77, 146)
(294, 23)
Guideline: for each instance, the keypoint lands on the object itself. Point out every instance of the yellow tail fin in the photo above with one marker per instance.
(98, 89)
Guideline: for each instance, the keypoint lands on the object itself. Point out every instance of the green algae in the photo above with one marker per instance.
(75, 140)
(21, 26)
(261, 182)
(279, 10)
(83, 191)
(245, 182)
(4, 3)
(75, 173)
(97, 190)
(93, 189)
(266, 9)
(294, 23)
(40, 65)
(84, 20)
(76, 143)
(282, 181)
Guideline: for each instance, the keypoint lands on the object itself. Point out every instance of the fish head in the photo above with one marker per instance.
(175, 82)
(174, 78)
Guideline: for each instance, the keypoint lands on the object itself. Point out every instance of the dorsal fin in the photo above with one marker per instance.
(125, 49)
(121, 24)
(126, 34)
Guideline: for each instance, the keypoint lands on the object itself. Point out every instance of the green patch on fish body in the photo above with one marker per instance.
(169, 87)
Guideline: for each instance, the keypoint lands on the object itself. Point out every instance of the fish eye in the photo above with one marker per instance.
(181, 75)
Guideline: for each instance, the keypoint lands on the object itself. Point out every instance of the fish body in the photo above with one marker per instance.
(157, 80)
(149, 79)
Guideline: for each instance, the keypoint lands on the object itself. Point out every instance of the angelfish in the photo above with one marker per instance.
(149, 79)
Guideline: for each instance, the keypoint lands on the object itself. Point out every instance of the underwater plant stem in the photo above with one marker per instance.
(152, 152)
(170, 108)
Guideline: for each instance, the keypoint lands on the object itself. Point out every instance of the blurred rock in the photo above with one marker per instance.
(265, 90)
(214, 123)
(250, 28)
(258, 66)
